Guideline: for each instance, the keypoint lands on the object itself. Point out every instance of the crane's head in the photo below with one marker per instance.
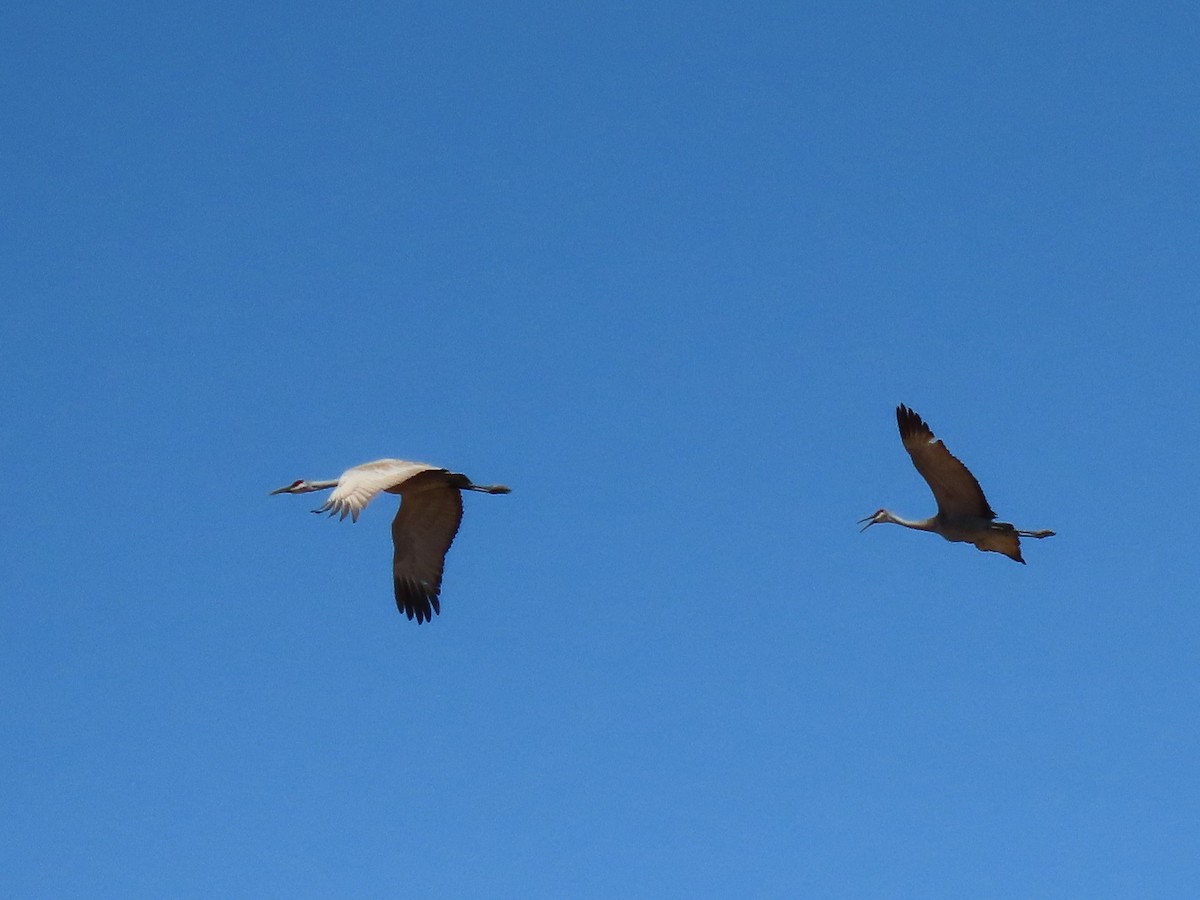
(880, 515)
(299, 486)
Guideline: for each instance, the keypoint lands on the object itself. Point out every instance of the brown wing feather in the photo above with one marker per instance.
(430, 512)
(1002, 538)
(954, 487)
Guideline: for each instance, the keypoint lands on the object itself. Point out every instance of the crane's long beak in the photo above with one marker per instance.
(286, 489)
(870, 520)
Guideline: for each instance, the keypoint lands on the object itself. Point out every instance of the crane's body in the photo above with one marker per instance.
(964, 514)
(430, 512)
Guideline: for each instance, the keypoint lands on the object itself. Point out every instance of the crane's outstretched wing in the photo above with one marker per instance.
(430, 512)
(358, 486)
(954, 487)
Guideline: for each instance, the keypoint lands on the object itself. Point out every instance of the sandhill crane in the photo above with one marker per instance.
(430, 510)
(963, 512)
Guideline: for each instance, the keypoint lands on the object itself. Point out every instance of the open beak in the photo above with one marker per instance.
(870, 520)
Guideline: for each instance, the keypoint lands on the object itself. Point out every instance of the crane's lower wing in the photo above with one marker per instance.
(957, 492)
(424, 528)
(1002, 538)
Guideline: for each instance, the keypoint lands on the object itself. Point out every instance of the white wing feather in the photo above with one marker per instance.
(358, 486)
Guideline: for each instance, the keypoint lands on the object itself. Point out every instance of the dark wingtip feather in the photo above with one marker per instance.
(417, 601)
(910, 423)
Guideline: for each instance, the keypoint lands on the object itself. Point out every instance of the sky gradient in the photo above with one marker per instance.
(667, 273)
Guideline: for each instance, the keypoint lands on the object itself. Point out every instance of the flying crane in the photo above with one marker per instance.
(431, 509)
(963, 512)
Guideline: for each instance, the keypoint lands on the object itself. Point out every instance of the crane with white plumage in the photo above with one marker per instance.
(430, 511)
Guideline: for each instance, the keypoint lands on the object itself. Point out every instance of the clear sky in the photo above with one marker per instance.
(665, 269)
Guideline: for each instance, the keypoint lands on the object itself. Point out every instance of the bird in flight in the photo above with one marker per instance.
(963, 512)
(431, 509)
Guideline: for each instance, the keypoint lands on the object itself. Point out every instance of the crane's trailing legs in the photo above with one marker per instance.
(488, 488)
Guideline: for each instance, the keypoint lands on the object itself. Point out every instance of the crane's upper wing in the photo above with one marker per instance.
(954, 487)
(430, 512)
(358, 486)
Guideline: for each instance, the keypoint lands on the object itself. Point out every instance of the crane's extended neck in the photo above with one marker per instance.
(884, 515)
(305, 487)
(322, 485)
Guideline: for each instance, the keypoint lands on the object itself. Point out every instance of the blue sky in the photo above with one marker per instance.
(666, 272)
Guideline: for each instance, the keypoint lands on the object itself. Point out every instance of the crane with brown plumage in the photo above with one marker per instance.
(431, 509)
(963, 512)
